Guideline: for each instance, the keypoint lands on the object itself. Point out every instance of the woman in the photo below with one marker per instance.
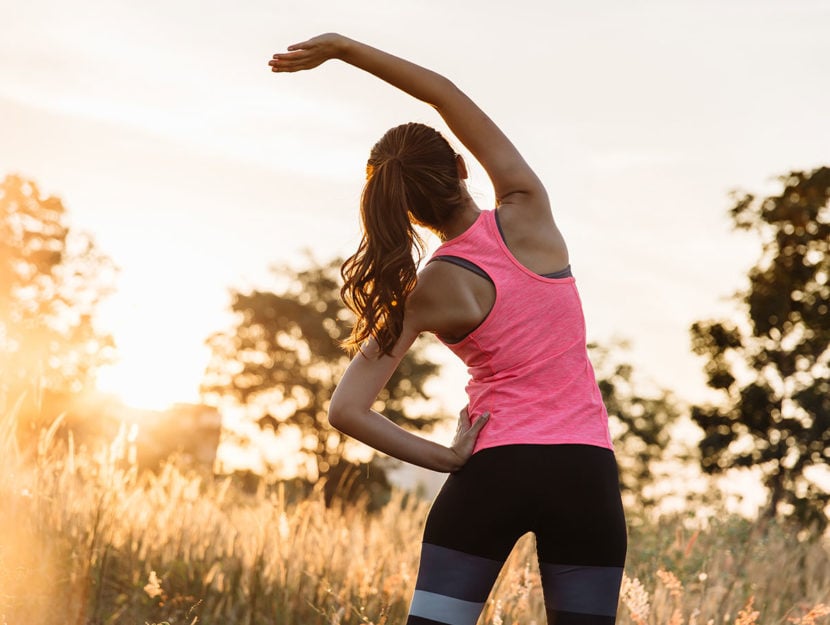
(501, 296)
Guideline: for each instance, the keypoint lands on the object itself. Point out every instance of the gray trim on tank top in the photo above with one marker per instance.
(463, 262)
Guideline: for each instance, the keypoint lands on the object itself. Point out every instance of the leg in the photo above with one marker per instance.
(452, 586)
(581, 538)
(471, 528)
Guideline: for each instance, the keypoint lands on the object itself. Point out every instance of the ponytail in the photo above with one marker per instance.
(382, 273)
(412, 178)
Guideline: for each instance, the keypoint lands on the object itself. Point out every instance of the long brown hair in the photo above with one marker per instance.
(411, 178)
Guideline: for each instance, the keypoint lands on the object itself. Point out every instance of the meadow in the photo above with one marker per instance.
(86, 539)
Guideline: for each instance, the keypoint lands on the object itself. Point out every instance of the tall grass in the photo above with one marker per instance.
(85, 539)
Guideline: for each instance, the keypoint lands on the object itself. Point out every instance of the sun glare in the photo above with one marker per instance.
(160, 357)
(142, 381)
(139, 388)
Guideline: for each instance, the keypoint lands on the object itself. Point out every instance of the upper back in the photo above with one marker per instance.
(525, 308)
(451, 301)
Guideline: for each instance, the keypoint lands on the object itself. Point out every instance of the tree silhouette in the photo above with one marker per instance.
(641, 421)
(283, 359)
(51, 280)
(771, 365)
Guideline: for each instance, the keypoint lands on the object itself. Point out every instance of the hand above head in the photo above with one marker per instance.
(308, 54)
(513, 180)
(466, 435)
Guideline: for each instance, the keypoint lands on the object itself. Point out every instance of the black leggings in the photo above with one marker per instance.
(567, 495)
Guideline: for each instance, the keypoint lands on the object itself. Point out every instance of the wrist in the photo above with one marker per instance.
(451, 461)
(344, 48)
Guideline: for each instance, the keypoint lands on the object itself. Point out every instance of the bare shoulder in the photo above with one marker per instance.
(436, 288)
(448, 300)
(526, 212)
(531, 233)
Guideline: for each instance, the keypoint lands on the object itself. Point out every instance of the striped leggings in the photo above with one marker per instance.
(567, 495)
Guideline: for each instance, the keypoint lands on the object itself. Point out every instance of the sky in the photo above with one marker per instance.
(196, 169)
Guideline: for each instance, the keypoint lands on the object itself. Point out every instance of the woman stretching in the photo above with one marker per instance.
(532, 452)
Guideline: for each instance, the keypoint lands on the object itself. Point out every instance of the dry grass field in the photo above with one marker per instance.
(86, 540)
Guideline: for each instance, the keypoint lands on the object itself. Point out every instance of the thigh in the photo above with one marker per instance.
(581, 536)
(471, 529)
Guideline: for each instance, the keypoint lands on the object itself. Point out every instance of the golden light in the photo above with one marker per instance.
(139, 384)
(151, 372)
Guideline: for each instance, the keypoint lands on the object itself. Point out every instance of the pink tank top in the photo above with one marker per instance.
(528, 362)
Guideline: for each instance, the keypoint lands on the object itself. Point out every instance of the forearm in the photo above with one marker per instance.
(419, 82)
(375, 430)
(507, 169)
(504, 165)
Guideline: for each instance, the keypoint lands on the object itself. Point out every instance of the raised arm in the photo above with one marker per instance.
(509, 173)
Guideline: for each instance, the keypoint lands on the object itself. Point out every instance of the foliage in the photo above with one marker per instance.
(283, 359)
(772, 366)
(51, 280)
(641, 422)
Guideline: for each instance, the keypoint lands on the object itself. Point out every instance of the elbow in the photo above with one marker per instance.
(339, 416)
(445, 94)
(346, 410)
(335, 416)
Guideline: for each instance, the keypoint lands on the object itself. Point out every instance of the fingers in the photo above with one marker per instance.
(290, 56)
(298, 46)
(466, 436)
(295, 61)
(464, 419)
(284, 67)
(480, 423)
(464, 426)
(286, 63)
(284, 58)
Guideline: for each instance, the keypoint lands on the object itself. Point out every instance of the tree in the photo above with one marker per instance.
(641, 421)
(51, 281)
(771, 364)
(283, 359)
